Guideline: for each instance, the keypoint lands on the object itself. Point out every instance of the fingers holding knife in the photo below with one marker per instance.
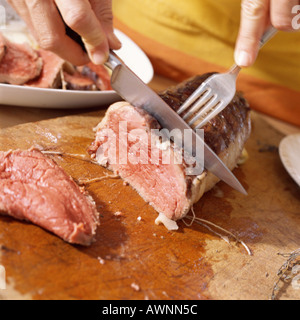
(92, 20)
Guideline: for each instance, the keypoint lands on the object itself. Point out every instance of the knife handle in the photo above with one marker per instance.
(75, 36)
(113, 60)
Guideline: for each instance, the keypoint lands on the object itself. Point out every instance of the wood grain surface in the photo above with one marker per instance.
(132, 257)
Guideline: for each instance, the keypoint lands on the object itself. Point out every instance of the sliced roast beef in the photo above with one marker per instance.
(22, 65)
(2, 47)
(77, 81)
(167, 186)
(99, 74)
(50, 76)
(34, 188)
(19, 64)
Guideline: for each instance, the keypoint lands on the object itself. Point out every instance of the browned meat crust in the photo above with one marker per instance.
(222, 129)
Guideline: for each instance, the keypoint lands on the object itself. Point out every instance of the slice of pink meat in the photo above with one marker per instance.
(77, 81)
(34, 188)
(19, 64)
(50, 74)
(97, 73)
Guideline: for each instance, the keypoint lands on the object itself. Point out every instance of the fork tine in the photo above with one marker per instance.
(195, 95)
(218, 108)
(204, 112)
(197, 105)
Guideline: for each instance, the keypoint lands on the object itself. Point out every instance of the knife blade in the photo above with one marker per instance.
(132, 89)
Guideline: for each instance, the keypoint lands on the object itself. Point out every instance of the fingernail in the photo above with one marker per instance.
(99, 57)
(243, 59)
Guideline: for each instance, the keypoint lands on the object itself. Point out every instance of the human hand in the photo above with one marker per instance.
(91, 19)
(256, 16)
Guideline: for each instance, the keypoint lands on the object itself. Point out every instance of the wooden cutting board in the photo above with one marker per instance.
(132, 257)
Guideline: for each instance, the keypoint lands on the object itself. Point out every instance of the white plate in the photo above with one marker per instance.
(22, 96)
(289, 151)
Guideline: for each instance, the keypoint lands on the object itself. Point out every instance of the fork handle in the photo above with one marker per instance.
(269, 34)
(234, 70)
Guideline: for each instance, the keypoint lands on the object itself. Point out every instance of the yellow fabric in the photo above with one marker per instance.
(206, 30)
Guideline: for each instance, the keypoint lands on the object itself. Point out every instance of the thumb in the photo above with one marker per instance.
(254, 19)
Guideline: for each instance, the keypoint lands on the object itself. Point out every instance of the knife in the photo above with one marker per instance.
(133, 90)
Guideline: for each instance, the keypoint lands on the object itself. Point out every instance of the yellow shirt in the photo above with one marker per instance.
(188, 37)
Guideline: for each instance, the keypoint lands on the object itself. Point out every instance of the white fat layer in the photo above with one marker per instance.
(168, 223)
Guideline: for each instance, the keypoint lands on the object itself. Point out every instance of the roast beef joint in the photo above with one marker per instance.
(167, 186)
